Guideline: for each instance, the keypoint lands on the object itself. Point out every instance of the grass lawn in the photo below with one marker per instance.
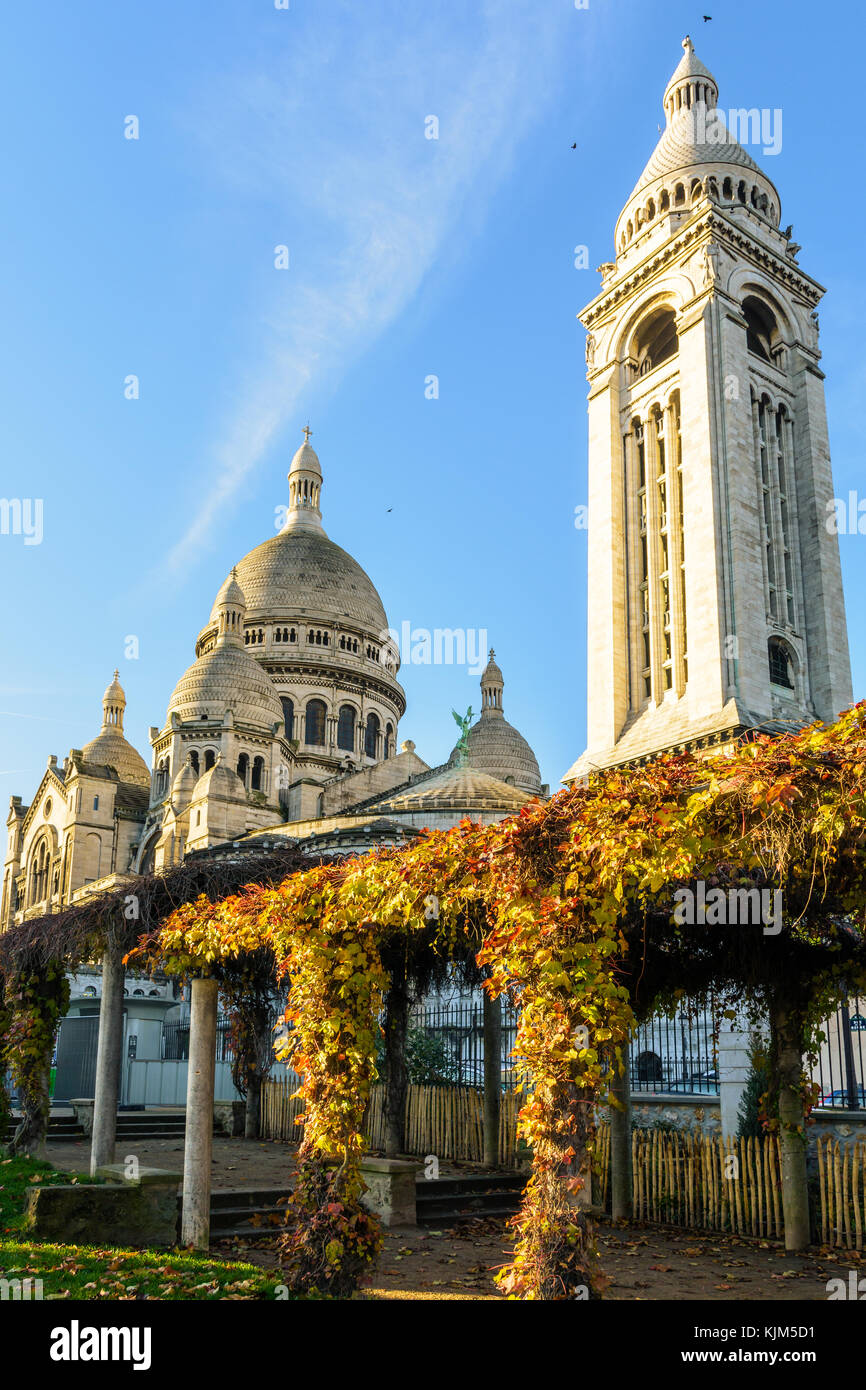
(100, 1273)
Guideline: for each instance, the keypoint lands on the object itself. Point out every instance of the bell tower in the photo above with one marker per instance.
(715, 586)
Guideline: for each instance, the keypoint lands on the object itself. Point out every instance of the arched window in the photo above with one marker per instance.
(258, 774)
(389, 740)
(288, 715)
(655, 341)
(346, 729)
(193, 759)
(209, 759)
(762, 331)
(244, 767)
(314, 733)
(781, 664)
(371, 738)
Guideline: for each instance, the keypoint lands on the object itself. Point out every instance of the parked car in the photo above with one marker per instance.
(840, 1098)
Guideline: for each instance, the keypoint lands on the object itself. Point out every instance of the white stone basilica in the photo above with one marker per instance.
(285, 725)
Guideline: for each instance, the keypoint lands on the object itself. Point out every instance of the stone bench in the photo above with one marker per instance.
(121, 1210)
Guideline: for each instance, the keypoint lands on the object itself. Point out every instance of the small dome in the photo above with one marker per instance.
(227, 678)
(495, 747)
(456, 789)
(220, 781)
(231, 595)
(306, 460)
(114, 693)
(111, 749)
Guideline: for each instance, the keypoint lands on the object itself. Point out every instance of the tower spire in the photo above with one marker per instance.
(113, 705)
(305, 486)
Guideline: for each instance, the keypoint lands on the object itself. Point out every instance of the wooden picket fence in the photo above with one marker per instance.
(708, 1182)
(680, 1179)
(842, 1182)
(444, 1120)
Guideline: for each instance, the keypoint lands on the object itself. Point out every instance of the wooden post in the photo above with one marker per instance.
(621, 1182)
(198, 1145)
(492, 1078)
(108, 1061)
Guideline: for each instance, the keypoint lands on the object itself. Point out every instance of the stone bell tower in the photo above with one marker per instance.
(715, 592)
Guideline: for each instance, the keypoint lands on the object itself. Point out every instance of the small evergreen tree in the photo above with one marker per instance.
(752, 1109)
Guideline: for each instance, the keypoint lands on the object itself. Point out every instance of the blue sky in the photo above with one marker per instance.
(408, 257)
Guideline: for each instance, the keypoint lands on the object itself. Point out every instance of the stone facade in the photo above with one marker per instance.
(717, 597)
(83, 824)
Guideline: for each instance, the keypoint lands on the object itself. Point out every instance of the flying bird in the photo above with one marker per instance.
(574, 146)
(707, 18)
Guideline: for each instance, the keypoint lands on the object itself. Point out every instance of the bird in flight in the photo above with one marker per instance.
(574, 146)
(707, 18)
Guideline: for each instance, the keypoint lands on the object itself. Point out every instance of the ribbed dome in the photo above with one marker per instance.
(227, 678)
(111, 749)
(456, 789)
(301, 573)
(494, 746)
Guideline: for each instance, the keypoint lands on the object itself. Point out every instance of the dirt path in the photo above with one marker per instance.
(647, 1263)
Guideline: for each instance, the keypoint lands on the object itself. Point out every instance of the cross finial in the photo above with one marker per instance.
(307, 433)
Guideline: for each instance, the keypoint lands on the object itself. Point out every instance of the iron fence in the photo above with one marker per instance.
(175, 1040)
(455, 1050)
(839, 1071)
(675, 1056)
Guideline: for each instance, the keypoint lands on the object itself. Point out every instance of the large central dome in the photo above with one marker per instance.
(301, 573)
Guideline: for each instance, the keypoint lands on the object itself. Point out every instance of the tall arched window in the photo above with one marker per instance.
(774, 450)
(193, 759)
(209, 759)
(244, 767)
(389, 741)
(258, 776)
(288, 715)
(371, 738)
(315, 723)
(346, 729)
(781, 663)
(39, 872)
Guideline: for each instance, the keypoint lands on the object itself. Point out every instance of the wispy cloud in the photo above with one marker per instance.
(332, 135)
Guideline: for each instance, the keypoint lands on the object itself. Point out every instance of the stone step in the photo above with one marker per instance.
(238, 1198)
(472, 1182)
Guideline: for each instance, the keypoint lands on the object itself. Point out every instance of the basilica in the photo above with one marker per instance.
(284, 725)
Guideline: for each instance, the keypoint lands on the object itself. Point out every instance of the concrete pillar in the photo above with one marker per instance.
(198, 1146)
(108, 1061)
(733, 1053)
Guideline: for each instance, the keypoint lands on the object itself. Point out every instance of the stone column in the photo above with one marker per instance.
(198, 1146)
(108, 1060)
